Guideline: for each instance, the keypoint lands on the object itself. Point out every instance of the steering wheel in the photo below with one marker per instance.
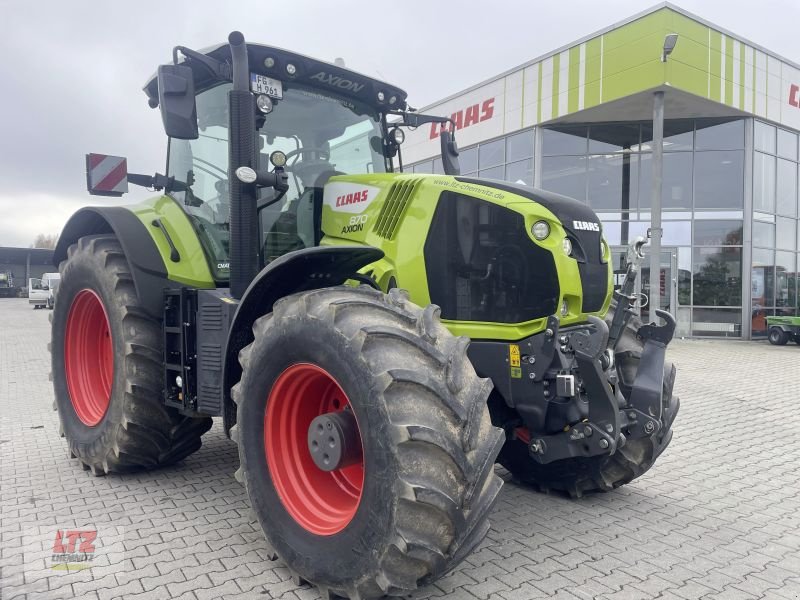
(298, 152)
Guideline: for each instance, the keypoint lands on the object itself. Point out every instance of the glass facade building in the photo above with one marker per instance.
(730, 170)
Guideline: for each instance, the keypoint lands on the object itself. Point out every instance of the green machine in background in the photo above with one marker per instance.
(374, 341)
(783, 329)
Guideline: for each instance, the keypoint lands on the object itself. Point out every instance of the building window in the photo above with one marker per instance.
(719, 179)
(678, 135)
(468, 160)
(565, 175)
(717, 322)
(560, 141)
(605, 138)
(785, 238)
(717, 233)
(423, 167)
(763, 234)
(676, 187)
(763, 280)
(492, 173)
(519, 146)
(712, 134)
(786, 188)
(764, 137)
(764, 182)
(607, 175)
(786, 283)
(520, 172)
(491, 154)
(717, 277)
(787, 144)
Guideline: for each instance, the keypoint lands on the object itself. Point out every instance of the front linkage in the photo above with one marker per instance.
(567, 392)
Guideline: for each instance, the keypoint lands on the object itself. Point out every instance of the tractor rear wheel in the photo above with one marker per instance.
(108, 368)
(582, 475)
(365, 442)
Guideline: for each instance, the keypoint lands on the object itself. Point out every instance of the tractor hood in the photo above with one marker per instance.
(583, 228)
(308, 71)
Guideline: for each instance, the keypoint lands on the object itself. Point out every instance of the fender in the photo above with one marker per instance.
(147, 267)
(299, 271)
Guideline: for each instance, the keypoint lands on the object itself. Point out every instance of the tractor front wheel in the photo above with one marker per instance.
(777, 336)
(365, 442)
(108, 368)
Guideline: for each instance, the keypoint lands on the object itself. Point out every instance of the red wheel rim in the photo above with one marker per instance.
(88, 357)
(322, 502)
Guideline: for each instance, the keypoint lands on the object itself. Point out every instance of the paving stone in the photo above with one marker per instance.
(706, 521)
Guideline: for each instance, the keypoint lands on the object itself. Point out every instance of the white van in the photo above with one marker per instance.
(41, 292)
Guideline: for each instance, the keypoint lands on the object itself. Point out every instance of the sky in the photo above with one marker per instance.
(72, 71)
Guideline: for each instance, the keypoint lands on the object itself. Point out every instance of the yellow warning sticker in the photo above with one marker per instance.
(516, 372)
(513, 354)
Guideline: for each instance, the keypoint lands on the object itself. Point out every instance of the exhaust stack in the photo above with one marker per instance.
(241, 153)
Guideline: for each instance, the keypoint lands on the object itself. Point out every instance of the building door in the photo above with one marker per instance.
(669, 279)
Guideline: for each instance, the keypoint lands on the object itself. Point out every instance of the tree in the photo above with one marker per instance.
(46, 241)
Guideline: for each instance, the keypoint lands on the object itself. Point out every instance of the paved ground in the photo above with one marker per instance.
(718, 517)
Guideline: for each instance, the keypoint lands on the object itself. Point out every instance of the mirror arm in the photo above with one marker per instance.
(416, 119)
(218, 70)
(157, 182)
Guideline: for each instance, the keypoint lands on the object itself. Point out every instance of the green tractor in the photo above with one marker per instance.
(373, 341)
(782, 329)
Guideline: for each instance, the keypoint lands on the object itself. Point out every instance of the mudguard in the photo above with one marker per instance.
(299, 271)
(147, 266)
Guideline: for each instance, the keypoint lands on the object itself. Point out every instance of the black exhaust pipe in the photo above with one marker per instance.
(241, 153)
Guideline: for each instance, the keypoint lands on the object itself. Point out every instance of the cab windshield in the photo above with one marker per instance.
(321, 135)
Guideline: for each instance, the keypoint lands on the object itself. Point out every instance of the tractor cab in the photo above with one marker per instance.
(311, 120)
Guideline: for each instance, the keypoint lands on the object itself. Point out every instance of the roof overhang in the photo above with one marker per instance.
(639, 107)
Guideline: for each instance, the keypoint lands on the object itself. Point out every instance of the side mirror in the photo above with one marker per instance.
(177, 102)
(449, 154)
(106, 175)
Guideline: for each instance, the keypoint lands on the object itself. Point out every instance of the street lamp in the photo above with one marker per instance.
(658, 169)
(669, 45)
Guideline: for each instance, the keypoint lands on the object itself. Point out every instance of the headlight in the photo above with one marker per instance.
(398, 135)
(277, 158)
(564, 308)
(540, 230)
(604, 250)
(566, 244)
(264, 103)
(291, 69)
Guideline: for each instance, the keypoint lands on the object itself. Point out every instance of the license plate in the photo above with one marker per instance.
(266, 85)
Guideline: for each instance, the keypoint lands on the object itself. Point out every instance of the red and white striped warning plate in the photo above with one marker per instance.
(106, 175)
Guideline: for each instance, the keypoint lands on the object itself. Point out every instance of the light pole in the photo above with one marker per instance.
(658, 170)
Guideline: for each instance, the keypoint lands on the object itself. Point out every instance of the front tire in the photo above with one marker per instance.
(108, 368)
(777, 336)
(418, 500)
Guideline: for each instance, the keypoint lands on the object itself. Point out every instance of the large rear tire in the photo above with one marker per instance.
(107, 362)
(582, 475)
(418, 499)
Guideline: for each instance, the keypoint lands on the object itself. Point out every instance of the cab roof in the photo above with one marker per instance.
(309, 71)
